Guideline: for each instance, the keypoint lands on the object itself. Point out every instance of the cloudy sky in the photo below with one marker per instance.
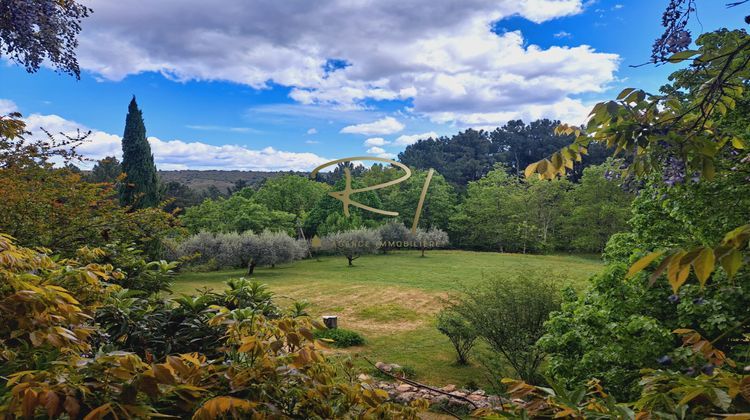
(290, 84)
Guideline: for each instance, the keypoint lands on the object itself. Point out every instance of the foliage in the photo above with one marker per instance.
(240, 250)
(509, 314)
(470, 155)
(439, 203)
(465, 157)
(291, 194)
(339, 337)
(138, 274)
(140, 187)
(32, 32)
(259, 366)
(54, 208)
(461, 334)
(235, 214)
(690, 145)
(352, 244)
(107, 170)
(327, 216)
(431, 239)
(393, 235)
(598, 209)
(179, 197)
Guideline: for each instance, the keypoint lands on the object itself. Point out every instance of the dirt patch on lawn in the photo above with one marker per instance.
(367, 309)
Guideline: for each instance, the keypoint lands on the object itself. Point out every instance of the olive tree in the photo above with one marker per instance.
(394, 235)
(431, 239)
(352, 244)
(271, 248)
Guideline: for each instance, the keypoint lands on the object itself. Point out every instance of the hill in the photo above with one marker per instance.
(202, 180)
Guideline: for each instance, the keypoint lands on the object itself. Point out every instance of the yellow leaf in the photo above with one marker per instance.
(731, 262)
(643, 263)
(678, 280)
(704, 265)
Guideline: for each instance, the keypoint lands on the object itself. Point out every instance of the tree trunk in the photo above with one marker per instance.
(350, 260)
(251, 268)
(423, 251)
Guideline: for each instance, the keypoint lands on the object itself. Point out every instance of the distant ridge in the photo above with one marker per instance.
(202, 180)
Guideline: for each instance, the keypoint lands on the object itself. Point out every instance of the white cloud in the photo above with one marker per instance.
(376, 141)
(441, 55)
(179, 154)
(7, 106)
(563, 34)
(312, 141)
(312, 131)
(406, 140)
(375, 150)
(387, 125)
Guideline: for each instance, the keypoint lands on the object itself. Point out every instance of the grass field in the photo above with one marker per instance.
(392, 299)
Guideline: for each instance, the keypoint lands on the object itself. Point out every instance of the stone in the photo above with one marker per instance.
(449, 388)
(475, 397)
(406, 396)
(458, 394)
(437, 399)
(478, 392)
(383, 366)
(395, 366)
(363, 377)
(404, 388)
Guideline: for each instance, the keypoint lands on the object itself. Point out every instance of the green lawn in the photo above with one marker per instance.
(392, 299)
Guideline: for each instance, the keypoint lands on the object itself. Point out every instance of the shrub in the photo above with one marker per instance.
(509, 315)
(430, 239)
(461, 334)
(394, 233)
(255, 367)
(138, 274)
(352, 244)
(240, 250)
(340, 336)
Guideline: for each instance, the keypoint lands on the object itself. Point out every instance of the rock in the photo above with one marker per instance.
(458, 394)
(437, 399)
(404, 388)
(449, 388)
(475, 397)
(405, 396)
(395, 366)
(478, 392)
(363, 377)
(383, 366)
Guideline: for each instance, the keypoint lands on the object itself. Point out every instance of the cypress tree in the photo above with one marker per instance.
(140, 187)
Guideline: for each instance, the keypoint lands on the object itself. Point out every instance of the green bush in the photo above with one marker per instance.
(341, 337)
(460, 333)
(509, 315)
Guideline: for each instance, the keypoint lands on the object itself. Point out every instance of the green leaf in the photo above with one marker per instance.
(682, 55)
(643, 263)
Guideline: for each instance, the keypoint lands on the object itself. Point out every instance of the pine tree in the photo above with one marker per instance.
(141, 186)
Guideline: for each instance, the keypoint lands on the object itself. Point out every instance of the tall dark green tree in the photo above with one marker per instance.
(141, 185)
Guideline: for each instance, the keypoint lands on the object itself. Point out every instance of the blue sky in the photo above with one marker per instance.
(274, 85)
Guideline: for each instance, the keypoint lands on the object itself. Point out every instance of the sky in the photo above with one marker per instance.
(289, 85)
